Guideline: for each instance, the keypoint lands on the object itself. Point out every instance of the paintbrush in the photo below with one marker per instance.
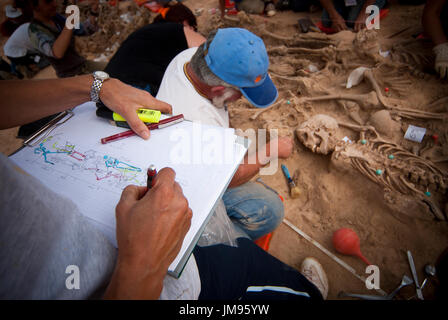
(293, 189)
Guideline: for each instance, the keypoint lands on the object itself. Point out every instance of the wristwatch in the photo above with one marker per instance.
(98, 78)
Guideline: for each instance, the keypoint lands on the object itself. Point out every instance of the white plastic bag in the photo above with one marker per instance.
(220, 229)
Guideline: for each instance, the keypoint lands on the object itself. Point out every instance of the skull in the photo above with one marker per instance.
(367, 40)
(318, 133)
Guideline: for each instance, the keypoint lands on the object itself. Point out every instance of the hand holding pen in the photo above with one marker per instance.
(151, 173)
(151, 226)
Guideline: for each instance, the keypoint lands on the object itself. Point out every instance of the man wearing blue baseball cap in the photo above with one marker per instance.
(199, 82)
(239, 57)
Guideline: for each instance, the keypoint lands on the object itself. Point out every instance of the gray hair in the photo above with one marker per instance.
(201, 69)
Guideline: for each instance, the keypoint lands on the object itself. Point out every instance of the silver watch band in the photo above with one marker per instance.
(95, 90)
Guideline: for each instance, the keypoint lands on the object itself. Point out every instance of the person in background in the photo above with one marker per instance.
(343, 14)
(142, 58)
(435, 25)
(51, 37)
(21, 53)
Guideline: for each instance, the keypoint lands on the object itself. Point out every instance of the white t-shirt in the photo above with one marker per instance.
(178, 91)
(19, 43)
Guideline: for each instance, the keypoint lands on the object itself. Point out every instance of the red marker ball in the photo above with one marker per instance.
(386, 89)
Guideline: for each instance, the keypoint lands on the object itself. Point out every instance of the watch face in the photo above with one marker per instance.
(101, 75)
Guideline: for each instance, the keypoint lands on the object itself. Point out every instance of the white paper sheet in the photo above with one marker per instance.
(73, 163)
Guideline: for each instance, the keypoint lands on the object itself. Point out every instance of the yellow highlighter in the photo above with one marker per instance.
(146, 115)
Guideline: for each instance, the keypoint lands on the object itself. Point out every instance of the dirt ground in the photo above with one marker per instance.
(340, 189)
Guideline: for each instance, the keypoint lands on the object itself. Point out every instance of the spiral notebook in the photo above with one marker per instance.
(68, 158)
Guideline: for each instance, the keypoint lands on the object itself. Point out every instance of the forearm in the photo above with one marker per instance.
(62, 42)
(247, 171)
(130, 284)
(27, 101)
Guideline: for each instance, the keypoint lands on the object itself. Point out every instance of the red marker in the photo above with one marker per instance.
(152, 172)
(152, 126)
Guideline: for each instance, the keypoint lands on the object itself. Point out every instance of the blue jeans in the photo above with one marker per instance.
(350, 14)
(253, 208)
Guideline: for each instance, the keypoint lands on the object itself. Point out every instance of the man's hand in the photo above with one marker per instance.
(441, 64)
(285, 146)
(338, 22)
(151, 227)
(284, 149)
(125, 100)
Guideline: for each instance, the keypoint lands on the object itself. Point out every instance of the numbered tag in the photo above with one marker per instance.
(350, 3)
(415, 133)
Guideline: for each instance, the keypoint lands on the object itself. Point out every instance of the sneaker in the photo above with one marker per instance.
(270, 9)
(313, 271)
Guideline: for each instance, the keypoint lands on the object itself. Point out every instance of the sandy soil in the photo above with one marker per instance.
(389, 217)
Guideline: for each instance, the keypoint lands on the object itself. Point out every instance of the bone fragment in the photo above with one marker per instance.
(257, 114)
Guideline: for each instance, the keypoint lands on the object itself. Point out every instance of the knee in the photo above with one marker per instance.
(274, 208)
(254, 208)
(269, 210)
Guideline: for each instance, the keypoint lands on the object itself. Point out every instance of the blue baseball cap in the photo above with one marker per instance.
(239, 57)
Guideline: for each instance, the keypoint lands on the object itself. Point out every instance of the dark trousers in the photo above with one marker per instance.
(248, 272)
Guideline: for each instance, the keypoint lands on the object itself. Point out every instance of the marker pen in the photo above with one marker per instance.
(152, 172)
(152, 126)
(146, 115)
